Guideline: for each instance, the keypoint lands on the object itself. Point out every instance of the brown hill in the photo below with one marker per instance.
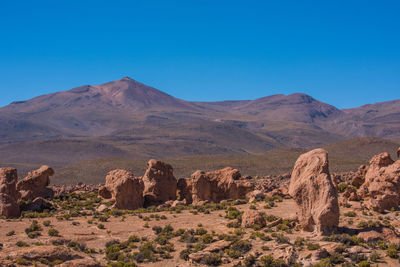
(127, 119)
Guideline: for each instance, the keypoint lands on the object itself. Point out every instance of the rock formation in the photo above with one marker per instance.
(398, 152)
(159, 183)
(252, 218)
(38, 204)
(184, 189)
(359, 178)
(381, 189)
(8, 193)
(255, 195)
(124, 188)
(35, 184)
(383, 233)
(219, 185)
(312, 188)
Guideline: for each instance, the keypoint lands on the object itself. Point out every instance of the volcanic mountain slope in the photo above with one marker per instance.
(378, 120)
(127, 119)
(86, 110)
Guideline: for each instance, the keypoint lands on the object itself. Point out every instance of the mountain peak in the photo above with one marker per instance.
(125, 93)
(294, 107)
(127, 78)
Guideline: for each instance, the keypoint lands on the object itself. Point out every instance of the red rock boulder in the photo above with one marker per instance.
(252, 218)
(35, 184)
(124, 188)
(381, 189)
(159, 183)
(359, 178)
(219, 185)
(312, 189)
(8, 193)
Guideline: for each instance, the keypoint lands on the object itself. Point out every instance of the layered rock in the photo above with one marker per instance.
(159, 183)
(124, 188)
(47, 252)
(312, 188)
(8, 193)
(381, 189)
(380, 234)
(219, 185)
(35, 184)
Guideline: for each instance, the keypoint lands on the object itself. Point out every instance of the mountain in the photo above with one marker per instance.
(377, 120)
(127, 119)
(124, 94)
(84, 111)
(295, 107)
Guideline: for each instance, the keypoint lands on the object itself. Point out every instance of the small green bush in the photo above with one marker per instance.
(350, 214)
(312, 246)
(53, 232)
(392, 251)
(213, 259)
(10, 233)
(21, 244)
(342, 187)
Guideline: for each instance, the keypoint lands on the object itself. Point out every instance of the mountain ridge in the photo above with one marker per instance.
(132, 119)
(86, 87)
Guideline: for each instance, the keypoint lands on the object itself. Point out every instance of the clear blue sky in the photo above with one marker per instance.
(346, 53)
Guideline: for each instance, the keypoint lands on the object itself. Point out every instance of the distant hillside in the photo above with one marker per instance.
(344, 156)
(129, 120)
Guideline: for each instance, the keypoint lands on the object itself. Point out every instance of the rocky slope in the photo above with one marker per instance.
(127, 119)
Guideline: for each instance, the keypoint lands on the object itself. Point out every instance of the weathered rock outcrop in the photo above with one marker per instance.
(252, 218)
(312, 188)
(35, 184)
(159, 183)
(8, 193)
(359, 178)
(38, 204)
(60, 190)
(124, 188)
(218, 185)
(80, 263)
(381, 190)
(48, 252)
(383, 234)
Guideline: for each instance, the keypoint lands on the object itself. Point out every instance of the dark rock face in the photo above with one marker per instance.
(38, 204)
(184, 189)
